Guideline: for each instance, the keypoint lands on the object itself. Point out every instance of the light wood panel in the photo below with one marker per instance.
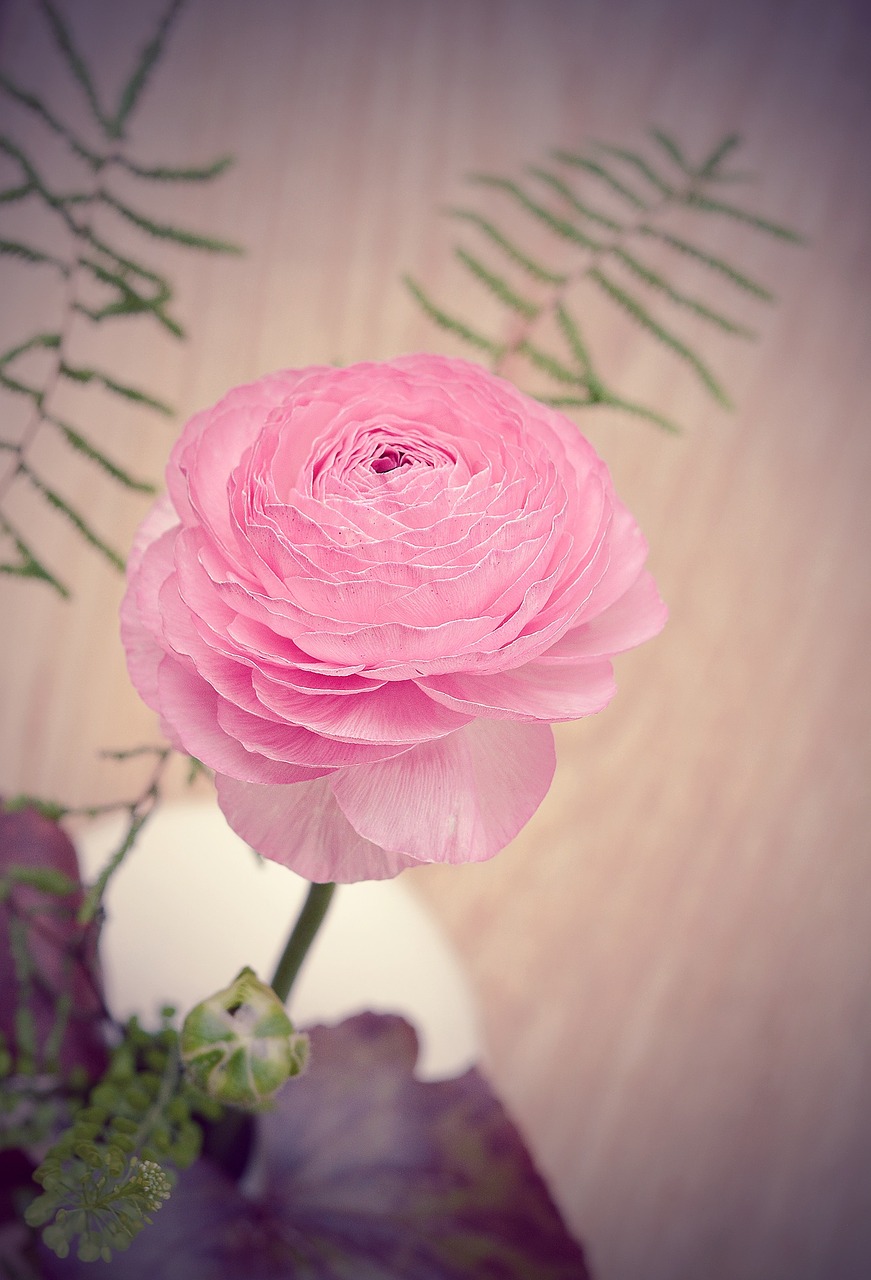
(674, 958)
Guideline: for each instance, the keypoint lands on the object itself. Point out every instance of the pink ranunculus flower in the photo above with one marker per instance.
(365, 597)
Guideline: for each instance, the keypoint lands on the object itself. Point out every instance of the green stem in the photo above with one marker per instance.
(302, 936)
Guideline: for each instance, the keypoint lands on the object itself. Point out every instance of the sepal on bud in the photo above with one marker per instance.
(239, 1046)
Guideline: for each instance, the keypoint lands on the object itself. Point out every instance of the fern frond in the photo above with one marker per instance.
(27, 252)
(563, 189)
(710, 260)
(638, 312)
(640, 411)
(451, 323)
(559, 226)
(639, 163)
(29, 565)
(571, 331)
(77, 373)
(511, 250)
(498, 285)
(147, 60)
(95, 455)
(604, 174)
(75, 62)
(705, 203)
(163, 231)
(698, 308)
(75, 518)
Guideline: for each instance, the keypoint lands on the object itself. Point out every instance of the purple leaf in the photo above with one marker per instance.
(365, 1173)
(38, 921)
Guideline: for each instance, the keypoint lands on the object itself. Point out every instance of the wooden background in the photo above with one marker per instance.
(673, 960)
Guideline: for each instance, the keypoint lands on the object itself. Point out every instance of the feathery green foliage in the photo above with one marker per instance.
(641, 201)
(114, 1166)
(100, 283)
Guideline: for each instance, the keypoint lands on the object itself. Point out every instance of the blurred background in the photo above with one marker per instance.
(673, 960)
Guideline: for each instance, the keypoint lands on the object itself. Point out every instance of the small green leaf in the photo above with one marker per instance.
(600, 171)
(16, 249)
(75, 518)
(562, 188)
(549, 364)
(719, 265)
(147, 60)
(704, 203)
(451, 323)
(75, 61)
(29, 565)
(498, 286)
(533, 268)
(709, 168)
(698, 308)
(560, 226)
(671, 148)
(638, 312)
(95, 455)
(166, 173)
(163, 231)
(638, 162)
(77, 373)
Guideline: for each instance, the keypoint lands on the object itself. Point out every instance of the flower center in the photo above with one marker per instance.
(390, 458)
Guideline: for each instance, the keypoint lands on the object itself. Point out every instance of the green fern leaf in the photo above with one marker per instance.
(697, 201)
(11, 194)
(711, 261)
(710, 168)
(36, 105)
(562, 188)
(148, 58)
(75, 518)
(43, 340)
(95, 455)
(22, 388)
(639, 163)
(511, 250)
(29, 565)
(164, 173)
(79, 374)
(549, 364)
(451, 323)
(75, 62)
(635, 309)
(17, 249)
(698, 308)
(566, 230)
(606, 176)
(671, 148)
(162, 231)
(498, 286)
(129, 300)
(572, 334)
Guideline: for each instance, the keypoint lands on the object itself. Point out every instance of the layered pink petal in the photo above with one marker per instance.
(535, 691)
(459, 799)
(303, 828)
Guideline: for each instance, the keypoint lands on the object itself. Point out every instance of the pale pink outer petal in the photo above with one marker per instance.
(144, 654)
(460, 799)
(534, 691)
(638, 615)
(303, 828)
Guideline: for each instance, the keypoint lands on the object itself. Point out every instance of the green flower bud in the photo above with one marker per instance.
(239, 1046)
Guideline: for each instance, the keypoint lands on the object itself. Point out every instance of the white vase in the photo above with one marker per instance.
(192, 904)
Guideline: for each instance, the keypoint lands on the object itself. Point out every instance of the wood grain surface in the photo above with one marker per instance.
(673, 960)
